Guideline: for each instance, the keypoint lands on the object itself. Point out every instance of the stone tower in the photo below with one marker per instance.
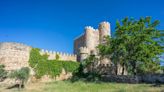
(86, 44)
(104, 30)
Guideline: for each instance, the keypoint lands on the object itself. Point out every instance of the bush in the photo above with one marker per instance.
(22, 75)
(83, 73)
(162, 69)
(3, 73)
(57, 57)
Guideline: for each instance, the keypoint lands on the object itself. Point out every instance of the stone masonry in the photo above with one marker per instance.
(16, 55)
(86, 43)
(62, 56)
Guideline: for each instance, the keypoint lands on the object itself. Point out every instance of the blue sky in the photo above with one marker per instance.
(53, 24)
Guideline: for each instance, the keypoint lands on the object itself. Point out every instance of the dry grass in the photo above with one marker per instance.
(66, 86)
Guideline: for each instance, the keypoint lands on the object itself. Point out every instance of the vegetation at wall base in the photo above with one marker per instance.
(22, 75)
(162, 69)
(84, 74)
(42, 66)
(3, 73)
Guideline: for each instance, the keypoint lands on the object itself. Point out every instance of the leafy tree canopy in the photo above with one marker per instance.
(137, 44)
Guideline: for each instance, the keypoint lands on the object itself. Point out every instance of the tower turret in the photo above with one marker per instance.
(104, 30)
(89, 43)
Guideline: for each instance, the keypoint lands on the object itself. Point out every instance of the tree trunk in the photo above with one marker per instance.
(116, 69)
(23, 83)
(20, 84)
(123, 68)
(134, 67)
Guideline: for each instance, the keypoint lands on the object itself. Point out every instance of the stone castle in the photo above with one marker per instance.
(86, 44)
(16, 55)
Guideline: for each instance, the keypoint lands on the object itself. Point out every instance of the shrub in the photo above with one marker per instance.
(57, 57)
(3, 73)
(85, 73)
(22, 75)
(162, 68)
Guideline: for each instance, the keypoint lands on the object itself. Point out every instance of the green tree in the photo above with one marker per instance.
(162, 68)
(21, 75)
(57, 57)
(136, 45)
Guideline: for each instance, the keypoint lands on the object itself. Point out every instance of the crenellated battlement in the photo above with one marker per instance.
(62, 56)
(84, 50)
(105, 22)
(89, 28)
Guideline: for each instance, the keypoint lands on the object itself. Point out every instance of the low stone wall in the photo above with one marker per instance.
(120, 78)
(149, 78)
(153, 78)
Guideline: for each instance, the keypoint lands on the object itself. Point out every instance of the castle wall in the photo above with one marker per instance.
(62, 56)
(14, 55)
(79, 42)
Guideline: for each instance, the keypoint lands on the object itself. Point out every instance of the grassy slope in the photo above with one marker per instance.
(66, 86)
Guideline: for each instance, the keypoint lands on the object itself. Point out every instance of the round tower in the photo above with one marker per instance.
(104, 30)
(89, 43)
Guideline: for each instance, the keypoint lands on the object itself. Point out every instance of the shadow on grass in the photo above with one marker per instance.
(156, 85)
(98, 80)
(15, 86)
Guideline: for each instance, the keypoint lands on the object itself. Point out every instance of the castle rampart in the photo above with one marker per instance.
(62, 56)
(16, 55)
